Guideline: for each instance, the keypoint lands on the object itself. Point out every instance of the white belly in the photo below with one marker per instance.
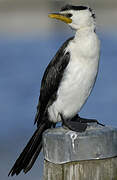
(77, 83)
(74, 90)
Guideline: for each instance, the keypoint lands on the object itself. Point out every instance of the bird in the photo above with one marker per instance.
(67, 82)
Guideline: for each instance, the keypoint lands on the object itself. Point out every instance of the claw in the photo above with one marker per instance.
(78, 124)
(74, 125)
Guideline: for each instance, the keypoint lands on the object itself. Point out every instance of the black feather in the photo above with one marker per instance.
(71, 7)
(92, 12)
(49, 86)
(51, 80)
(30, 152)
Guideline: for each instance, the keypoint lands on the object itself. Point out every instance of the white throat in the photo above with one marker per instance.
(84, 31)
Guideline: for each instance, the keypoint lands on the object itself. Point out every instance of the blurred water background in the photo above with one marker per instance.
(28, 41)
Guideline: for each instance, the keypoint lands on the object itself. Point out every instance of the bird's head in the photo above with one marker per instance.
(76, 17)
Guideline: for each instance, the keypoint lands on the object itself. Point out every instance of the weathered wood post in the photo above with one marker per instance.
(90, 155)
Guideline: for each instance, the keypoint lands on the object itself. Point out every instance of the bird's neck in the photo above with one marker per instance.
(84, 31)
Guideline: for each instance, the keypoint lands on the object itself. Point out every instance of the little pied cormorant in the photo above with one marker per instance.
(67, 82)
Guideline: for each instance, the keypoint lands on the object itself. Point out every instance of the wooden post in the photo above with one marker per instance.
(90, 155)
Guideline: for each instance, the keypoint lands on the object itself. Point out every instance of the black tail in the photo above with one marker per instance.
(30, 152)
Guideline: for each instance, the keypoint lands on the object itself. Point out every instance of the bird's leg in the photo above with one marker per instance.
(74, 125)
(84, 120)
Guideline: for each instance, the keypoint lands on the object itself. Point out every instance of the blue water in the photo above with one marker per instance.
(22, 63)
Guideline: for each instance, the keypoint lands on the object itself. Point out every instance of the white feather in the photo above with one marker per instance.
(79, 76)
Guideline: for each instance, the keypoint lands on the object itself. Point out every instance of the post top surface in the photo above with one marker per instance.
(61, 145)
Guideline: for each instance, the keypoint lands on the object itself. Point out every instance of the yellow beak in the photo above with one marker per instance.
(60, 17)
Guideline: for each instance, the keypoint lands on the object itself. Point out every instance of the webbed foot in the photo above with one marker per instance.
(74, 125)
(84, 120)
(78, 124)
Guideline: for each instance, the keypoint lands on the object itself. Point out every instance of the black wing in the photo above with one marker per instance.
(51, 80)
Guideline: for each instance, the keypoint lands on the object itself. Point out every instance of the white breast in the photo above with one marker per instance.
(78, 79)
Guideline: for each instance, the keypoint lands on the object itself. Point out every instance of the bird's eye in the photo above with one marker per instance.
(69, 15)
